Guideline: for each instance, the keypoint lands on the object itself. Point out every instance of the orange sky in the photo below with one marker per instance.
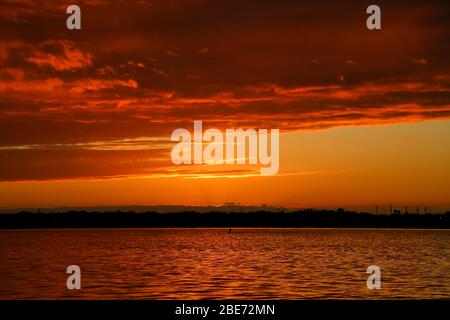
(86, 116)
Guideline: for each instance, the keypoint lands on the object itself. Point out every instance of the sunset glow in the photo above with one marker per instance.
(86, 116)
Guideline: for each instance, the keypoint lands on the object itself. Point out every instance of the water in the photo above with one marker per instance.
(212, 264)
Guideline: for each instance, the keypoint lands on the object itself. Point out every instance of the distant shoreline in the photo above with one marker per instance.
(188, 219)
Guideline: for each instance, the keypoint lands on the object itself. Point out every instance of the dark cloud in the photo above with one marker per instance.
(143, 68)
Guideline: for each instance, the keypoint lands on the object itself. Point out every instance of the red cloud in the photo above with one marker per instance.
(62, 55)
(99, 84)
(141, 70)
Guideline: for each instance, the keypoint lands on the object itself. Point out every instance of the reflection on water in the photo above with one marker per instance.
(212, 264)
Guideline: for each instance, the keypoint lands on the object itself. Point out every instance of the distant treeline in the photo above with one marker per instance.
(296, 219)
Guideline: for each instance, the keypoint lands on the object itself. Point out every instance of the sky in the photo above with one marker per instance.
(86, 115)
